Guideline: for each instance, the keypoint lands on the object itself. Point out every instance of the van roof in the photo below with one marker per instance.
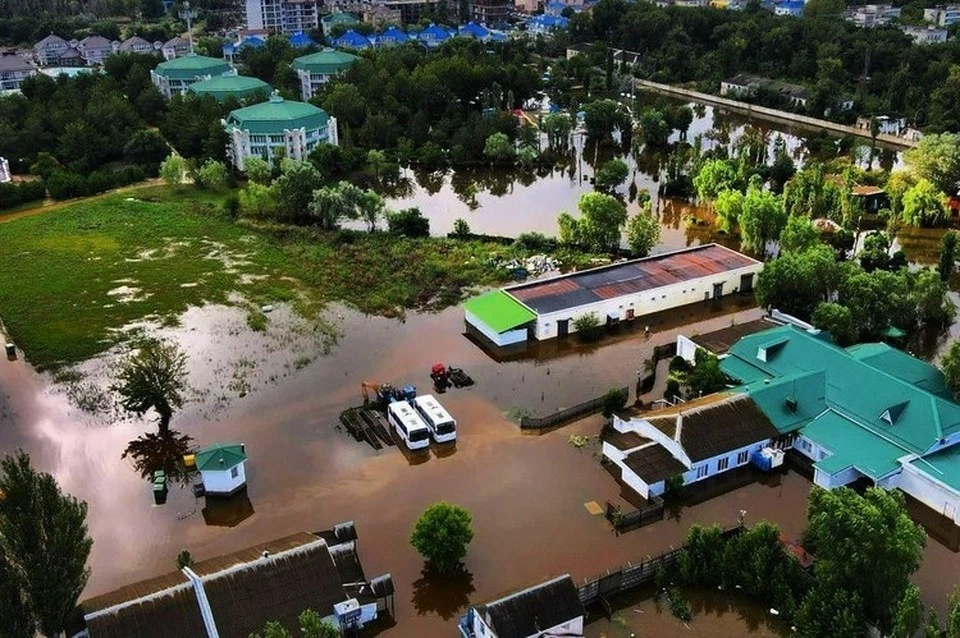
(428, 403)
(405, 413)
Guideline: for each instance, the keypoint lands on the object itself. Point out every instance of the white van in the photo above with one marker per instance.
(442, 426)
(408, 424)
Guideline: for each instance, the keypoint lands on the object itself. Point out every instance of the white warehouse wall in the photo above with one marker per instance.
(647, 302)
(499, 338)
(220, 482)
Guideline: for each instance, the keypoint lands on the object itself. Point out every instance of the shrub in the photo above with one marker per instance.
(535, 242)
(679, 364)
(408, 222)
(614, 400)
(673, 389)
(588, 327)
(461, 228)
(13, 194)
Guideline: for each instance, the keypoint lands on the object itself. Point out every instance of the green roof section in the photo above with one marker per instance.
(499, 311)
(277, 115)
(192, 66)
(326, 62)
(339, 18)
(903, 366)
(943, 466)
(792, 401)
(852, 445)
(220, 456)
(231, 86)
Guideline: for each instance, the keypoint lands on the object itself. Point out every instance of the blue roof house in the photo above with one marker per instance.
(433, 36)
(392, 36)
(301, 40)
(474, 30)
(545, 24)
(789, 8)
(352, 40)
(554, 7)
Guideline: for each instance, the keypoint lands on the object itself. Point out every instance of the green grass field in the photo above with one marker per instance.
(71, 279)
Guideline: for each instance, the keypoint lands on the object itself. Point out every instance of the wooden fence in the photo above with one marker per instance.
(632, 575)
(562, 417)
(635, 519)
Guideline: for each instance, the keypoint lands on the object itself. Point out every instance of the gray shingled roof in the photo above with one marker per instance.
(527, 612)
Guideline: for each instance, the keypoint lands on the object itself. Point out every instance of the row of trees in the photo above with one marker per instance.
(865, 548)
(819, 50)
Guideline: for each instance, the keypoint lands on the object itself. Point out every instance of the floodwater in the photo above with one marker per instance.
(507, 202)
(715, 615)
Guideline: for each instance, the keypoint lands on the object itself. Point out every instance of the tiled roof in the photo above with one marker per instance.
(631, 277)
(276, 115)
(654, 464)
(533, 610)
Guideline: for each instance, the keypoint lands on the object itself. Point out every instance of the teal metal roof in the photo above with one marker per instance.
(235, 86)
(869, 405)
(192, 66)
(339, 18)
(326, 62)
(853, 446)
(220, 456)
(276, 115)
(944, 466)
(903, 366)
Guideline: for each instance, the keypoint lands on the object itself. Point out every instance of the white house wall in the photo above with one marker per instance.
(221, 482)
(713, 463)
(647, 302)
(930, 492)
(687, 349)
(839, 479)
(500, 338)
(646, 430)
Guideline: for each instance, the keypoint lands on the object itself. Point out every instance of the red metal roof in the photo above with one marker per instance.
(629, 277)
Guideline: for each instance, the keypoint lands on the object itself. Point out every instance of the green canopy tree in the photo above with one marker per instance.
(728, 206)
(154, 378)
(610, 175)
(171, 170)
(924, 205)
(258, 170)
(714, 177)
(762, 218)
(601, 222)
(499, 148)
(293, 191)
(557, 126)
(950, 364)
(909, 616)
(837, 320)
(44, 547)
(947, 261)
(798, 235)
(643, 232)
(441, 535)
(936, 158)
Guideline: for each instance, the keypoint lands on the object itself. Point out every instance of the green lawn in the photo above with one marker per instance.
(72, 278)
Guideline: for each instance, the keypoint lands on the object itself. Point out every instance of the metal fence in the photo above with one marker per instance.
(562, 417)
(634, 519)
(632, 575)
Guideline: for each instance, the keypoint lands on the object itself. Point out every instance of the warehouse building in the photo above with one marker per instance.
(619, 292)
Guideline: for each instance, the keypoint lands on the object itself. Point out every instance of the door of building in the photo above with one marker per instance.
(563, 327)
(629, 314)
(717, 290)
(746, 282)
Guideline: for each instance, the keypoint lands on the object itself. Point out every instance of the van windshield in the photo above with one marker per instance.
(446, 428)
(419, 435)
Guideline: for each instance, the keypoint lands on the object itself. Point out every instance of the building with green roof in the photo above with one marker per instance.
(868, 411)
(277, 128)
(177, 75)
(329, 21)
(238, 87)
(221, 468)
(499, 317)
(318, 68)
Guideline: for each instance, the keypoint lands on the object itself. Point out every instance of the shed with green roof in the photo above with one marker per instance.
(499, 317)
(238, 87)
(278, 128)
(177, 75)
(222, 468)
(318, 68)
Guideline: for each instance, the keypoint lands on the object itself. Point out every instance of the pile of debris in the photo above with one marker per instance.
(532, 266)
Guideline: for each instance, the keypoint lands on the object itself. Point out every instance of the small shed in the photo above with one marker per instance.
(222, 468)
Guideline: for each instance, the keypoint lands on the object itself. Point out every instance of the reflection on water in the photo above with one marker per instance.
(228, 511)
(445, 595)
(153, 451)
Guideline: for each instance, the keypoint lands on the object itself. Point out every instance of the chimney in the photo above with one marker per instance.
(243, 448)
(679, 428)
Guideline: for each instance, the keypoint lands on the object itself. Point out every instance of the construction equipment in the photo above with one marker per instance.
(443, 377)
(385, 393)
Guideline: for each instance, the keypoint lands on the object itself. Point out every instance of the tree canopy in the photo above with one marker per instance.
(154, 378)
(441, 535)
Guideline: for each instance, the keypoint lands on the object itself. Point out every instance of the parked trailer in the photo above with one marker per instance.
(408, 424)
(361, 428)
(442, 426)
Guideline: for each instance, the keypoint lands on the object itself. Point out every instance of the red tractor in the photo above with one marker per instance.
(443, 377)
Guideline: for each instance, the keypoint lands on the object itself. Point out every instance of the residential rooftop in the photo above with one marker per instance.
(629, 277)
(530, 611)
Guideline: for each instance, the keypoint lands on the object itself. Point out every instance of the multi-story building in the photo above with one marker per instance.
(284, 16)
(175, 48)
(277, 128)
(490, 12)
(50, 49)
(873, 15)
(943, 16)
(94, 49)
(136, 44)
(13, 71)
(318, 68)
(176, 76)
(926, 35)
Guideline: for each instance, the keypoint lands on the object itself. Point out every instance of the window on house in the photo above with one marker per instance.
(741, 457)
(723, 464)
(234, 471)
(702, 471)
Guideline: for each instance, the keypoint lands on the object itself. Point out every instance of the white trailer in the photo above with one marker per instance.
(442, 426)
(408, 424)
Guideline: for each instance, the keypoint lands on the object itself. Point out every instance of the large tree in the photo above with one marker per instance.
(762, 219)
(950, 364)
(44, 547)
(294, 190)
(937, 159)
(866, 546)
(441, 535)
(154, 378)
(924, 205)
(601, 222)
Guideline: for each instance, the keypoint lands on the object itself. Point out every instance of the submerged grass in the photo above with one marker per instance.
(72, 279)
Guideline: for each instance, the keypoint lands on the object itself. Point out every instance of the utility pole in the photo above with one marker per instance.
(188, 14)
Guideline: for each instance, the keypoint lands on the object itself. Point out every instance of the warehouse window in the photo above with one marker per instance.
(723, 463)
(741, 457)
(702, 471)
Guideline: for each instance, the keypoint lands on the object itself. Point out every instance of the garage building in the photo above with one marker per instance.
(619, 292)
